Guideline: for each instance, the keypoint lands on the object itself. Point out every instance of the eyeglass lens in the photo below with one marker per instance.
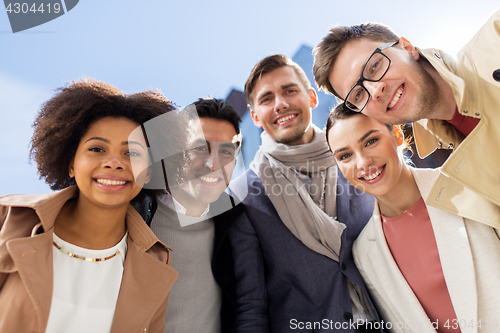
(374, 70)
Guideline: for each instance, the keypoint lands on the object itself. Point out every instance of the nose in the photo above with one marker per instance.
(364, 162)
(376, 89)
(114, 161)
(212, 161)
(280, 103)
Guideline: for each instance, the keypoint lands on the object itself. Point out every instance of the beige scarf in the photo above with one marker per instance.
(310, 219)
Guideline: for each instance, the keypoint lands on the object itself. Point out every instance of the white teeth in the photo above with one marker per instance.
(111, 182)
(209, 179)
(282, 120)
(373, 176)
(396, 98)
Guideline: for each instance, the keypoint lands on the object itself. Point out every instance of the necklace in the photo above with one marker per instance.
(82, 257)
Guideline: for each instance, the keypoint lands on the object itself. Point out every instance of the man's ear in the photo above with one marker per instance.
(255, 118)
(408, 47)
(313, 98)
(148, 176)
(149, 173)
(398, 133)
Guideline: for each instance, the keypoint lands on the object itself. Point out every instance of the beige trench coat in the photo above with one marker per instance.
(469, 184)
(26, 267)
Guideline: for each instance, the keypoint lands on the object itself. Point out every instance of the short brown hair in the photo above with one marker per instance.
(269, 64)
(327, 51)
(65, 118)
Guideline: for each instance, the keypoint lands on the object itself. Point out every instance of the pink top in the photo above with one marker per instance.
(411, 240)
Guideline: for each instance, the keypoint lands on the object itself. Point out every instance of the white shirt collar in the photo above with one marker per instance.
(176, 206)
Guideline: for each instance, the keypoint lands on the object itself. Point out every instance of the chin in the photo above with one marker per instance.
(379, 192)
(291, 139)
(208, 198)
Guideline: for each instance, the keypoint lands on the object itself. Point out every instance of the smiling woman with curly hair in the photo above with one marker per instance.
(81, 259)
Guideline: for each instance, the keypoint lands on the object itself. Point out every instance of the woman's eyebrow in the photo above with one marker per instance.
(367, 134)
(98, 138)
(339, 150)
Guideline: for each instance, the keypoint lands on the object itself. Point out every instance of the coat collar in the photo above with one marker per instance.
(445, 66)
(140, 233)
(41, 212)
(428, 133)
(46, 206)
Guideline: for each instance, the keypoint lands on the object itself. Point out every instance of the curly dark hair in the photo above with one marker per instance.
(65, 118)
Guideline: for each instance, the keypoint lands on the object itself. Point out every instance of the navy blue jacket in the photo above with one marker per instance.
(282, 285)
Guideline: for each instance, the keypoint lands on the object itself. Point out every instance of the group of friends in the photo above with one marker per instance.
(327, 230)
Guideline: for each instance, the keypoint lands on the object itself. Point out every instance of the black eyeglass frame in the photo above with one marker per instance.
(362, 78)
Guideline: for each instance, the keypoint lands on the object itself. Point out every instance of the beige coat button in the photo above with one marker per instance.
(496, 75)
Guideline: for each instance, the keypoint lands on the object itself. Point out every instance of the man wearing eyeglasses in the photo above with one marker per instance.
(451, 103)
(194, 214)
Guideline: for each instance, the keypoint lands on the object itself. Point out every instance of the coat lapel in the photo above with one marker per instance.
(33, 258)
(354, 208)
(456, 261)
(223, 222)
(343, 201)
(387, 279)
(146, 281)
(454, 253)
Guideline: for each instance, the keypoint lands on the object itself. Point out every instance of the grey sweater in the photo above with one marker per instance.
(195, 299)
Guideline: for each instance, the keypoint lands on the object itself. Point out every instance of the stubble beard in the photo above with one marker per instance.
(292, 138)
(427, 104)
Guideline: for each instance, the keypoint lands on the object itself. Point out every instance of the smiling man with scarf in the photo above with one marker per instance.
(292, 248)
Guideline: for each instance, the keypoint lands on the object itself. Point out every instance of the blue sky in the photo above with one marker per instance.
(186, 49)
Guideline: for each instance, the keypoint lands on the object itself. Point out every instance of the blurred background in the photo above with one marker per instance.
(191, 49)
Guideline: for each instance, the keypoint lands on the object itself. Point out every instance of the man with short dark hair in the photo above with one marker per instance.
(453, 103)
(292, 247)
(194, 215)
